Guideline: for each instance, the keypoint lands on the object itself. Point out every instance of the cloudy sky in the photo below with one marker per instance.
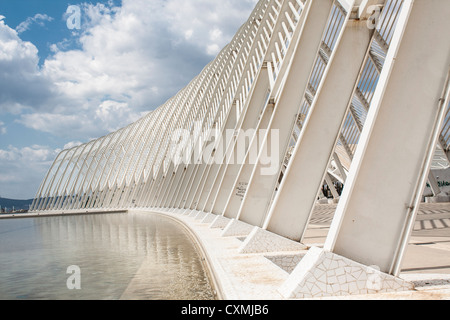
(64, 82)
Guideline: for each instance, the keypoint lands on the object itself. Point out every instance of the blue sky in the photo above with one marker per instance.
(60, 87)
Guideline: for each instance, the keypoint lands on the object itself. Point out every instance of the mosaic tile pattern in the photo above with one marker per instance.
(287, 262)
(237, 228)
(324, 274)
(260, 241)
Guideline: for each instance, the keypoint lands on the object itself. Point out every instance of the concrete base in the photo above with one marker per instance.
(288, 262)
(440, 198)
(260, 241)
(220, 222)
(194, 213)
(333, 201)
(200, 215)
(324, 274)
(237, 228)
(186, 212)
(209, 218)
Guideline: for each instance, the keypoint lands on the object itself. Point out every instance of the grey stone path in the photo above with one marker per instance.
(429, 249)
(435, 216)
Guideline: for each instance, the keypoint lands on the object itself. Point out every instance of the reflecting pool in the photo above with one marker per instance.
(131, 256)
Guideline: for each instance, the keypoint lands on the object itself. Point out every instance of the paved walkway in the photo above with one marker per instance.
(429, 249)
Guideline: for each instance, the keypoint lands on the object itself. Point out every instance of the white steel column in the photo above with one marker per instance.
(245, 131)
(433, 184)
(310, 27)
(380, 200)
(261, 186)
(308, 166)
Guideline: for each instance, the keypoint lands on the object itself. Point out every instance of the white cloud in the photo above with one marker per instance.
(215, 34)
(21, 82)
(65, 125)
(212, 49)
(32, 154)
(38, 19)
(213, 23)
(188, 34)
(2, 128)
(22, 170)
(72, 144)
(116, 115)
(130, 60)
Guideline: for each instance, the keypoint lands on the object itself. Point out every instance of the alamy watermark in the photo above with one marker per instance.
(73, 14)
(374, 16)
(233, 147)
(74, 280)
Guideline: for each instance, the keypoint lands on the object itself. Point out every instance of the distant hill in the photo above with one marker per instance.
(17, 204)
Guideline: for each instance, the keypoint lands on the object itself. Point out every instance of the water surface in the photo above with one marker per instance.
(132, 256)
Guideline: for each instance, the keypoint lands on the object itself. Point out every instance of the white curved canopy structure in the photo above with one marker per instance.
(308, 93)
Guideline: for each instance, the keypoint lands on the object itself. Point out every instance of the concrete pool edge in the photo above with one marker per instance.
(238, 276)
(205, 258)
(58, 214)
(234, 275)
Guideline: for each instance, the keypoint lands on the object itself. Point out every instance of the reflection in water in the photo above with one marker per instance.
(121, 256)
